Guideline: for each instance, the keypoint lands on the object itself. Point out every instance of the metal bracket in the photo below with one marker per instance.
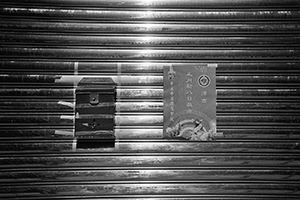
(95, 110)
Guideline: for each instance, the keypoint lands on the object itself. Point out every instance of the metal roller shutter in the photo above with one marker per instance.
(255, 45)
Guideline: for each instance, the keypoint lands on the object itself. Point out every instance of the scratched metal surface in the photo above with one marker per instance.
(44, 43)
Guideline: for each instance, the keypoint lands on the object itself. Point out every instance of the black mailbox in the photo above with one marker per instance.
(95, 112)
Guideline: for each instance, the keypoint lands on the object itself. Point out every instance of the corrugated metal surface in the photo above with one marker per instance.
(255, 45)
